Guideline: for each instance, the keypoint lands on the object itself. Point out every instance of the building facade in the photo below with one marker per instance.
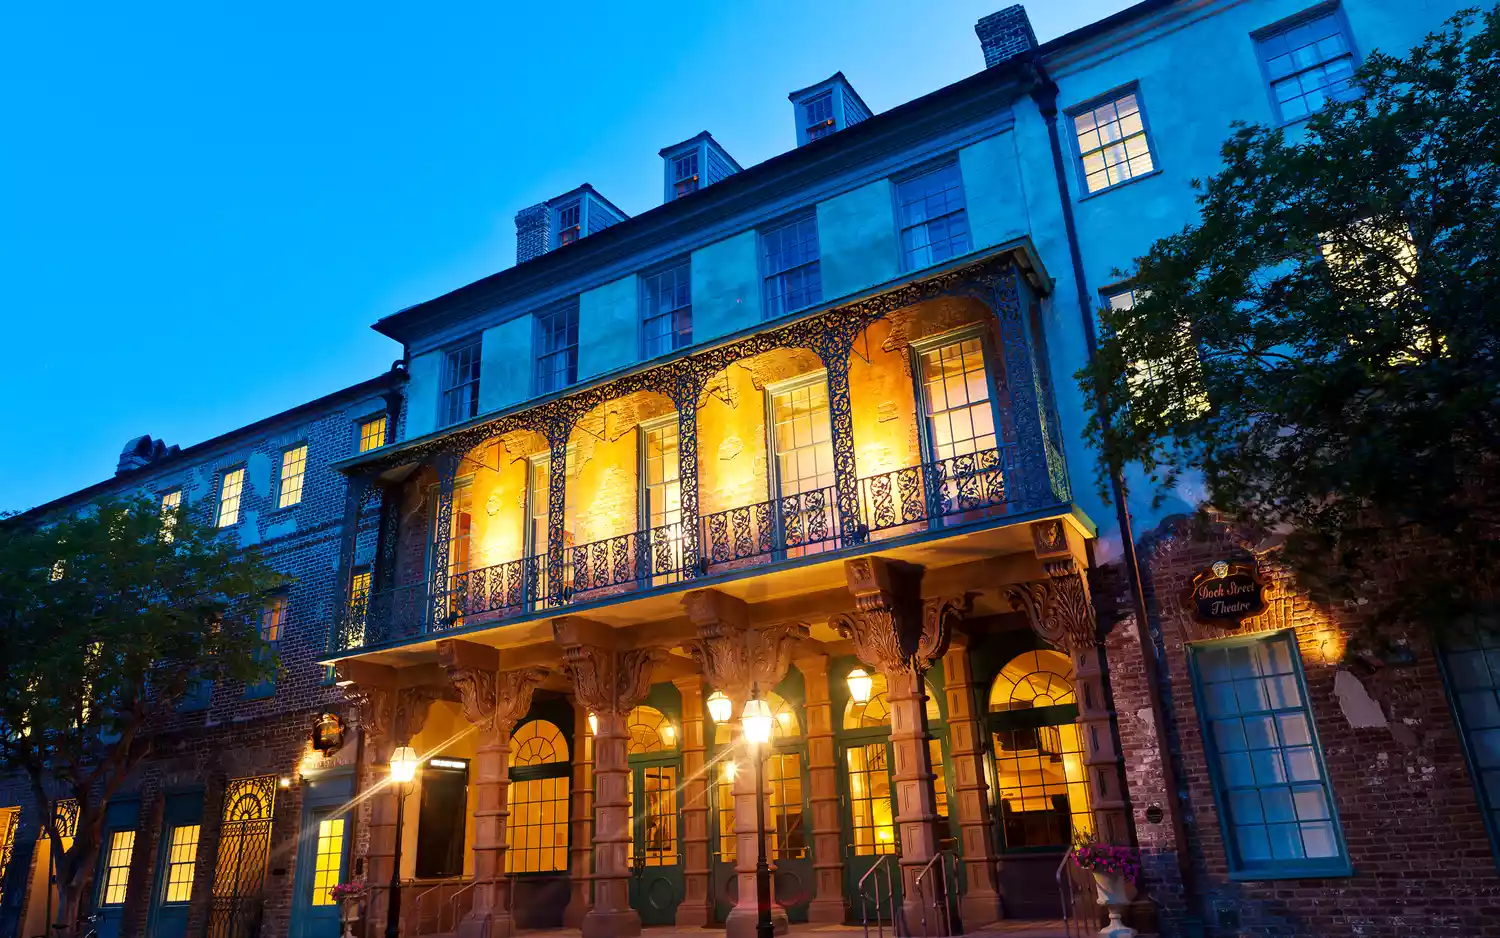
(806, 434)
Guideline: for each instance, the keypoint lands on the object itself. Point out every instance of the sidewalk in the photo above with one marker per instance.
(1020, 928)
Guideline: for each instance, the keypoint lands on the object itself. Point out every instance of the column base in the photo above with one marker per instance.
(623, 924)
(980, 910)
(487, 925)
(577, 908)
(694, 915)
(926, 915)
(830, 911)
(741, 922)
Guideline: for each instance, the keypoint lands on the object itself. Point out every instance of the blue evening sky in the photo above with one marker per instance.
(203, 207)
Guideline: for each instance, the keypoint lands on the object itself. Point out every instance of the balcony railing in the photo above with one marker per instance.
(946, 493)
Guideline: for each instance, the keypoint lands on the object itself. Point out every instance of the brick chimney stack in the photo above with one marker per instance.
(533, 232)
(1005, 35)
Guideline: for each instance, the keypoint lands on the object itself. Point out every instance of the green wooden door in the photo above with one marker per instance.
(656, 883)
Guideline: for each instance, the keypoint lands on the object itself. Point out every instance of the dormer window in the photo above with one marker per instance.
(819, 120)
(569, 223)
(693, 164)
(685, 174)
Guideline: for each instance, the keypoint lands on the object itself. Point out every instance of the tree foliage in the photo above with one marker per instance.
(109, 619)
(1320, 346)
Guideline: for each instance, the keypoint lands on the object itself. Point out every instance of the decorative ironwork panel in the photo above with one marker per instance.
(557, 493)
(841, 419)
(389, 537)
(959, 489)
(354, 495)
(686, 390)
(9, 824)
(442, 535)
(784, 527)
(244, 849)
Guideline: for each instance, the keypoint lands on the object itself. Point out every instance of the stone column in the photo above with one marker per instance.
(980, 904)
(828, 903)
(737, 659)
(894, 630)
(1062, 613)
(697, 907)
(609, 681)
(581, 841)
(493, 701)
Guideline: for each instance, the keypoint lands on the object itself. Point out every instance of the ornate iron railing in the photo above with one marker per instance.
(960, 489)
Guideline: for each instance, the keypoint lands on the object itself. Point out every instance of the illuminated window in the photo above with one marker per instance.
(655, 833)
(1113, 146)
(789, 255)
(9, 819)
(170, 503)
(182, 861)
(934, 225)
(956, 397)
(802, 450)
(1041, 786)
(817, 116)
(293, 469)
(1308, 63)
(569, 223)
(870, 799)
(372, 434)
(461, 383)
(117, 867)
(649, 730)
(328, 866)
(684, 174)
(1150, 372)
(666, 310)
(272, 618)
(537, 832)
(557, 348)
(229, 497)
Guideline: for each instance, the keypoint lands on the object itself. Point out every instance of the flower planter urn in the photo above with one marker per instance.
(1114, 894)
(350, 915)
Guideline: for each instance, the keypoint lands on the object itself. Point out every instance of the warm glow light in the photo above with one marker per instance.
(860, 685)
(593, 724)
(720, 710)
(285, 781)
(729, 769)
(404, 764)
(756, 722)
(668, 734)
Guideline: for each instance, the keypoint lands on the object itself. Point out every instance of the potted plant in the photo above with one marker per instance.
(1115, 869)
(347, 895)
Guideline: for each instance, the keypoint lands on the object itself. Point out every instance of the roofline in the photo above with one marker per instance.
(1100, 27)
(586, 187)
(702, 135)
(382, 382)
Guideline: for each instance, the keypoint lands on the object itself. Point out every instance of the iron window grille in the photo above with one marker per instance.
(1113, 141)
(1307, 62)
(557, 349)
(666, 310)
(790, 257)
(934, 224)
(818, 116)
(461, 383)
(684, 174)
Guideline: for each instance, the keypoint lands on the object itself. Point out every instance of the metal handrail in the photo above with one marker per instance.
(864, 900)
(1075, 911)
(453, 906)
(412, 926)
(939, 858)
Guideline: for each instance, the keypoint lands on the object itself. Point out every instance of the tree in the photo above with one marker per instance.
(1320, 345)
(109, 619)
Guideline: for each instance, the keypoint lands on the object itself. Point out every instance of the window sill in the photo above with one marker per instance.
(1327, 871)
(1119, 185)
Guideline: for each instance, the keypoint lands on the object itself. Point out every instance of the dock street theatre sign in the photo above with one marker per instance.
(1226, 593)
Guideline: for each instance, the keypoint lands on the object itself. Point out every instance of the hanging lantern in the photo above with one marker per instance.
(756, 722)
(593, 723)
(720, 710)
(404, 764)
(860, 685)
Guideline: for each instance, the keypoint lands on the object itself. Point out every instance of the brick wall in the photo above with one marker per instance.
(1423, 865)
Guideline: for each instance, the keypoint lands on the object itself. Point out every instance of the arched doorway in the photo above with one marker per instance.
(1041, 790)
(537, 832)
(655, 849)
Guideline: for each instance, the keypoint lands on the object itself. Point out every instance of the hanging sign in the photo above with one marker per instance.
(328, 734)
(1225, 593)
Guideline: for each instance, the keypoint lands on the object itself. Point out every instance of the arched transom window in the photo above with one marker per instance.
(1034, 679)
(537, 832)
(539, 742)
(649, 730)
(877, 710)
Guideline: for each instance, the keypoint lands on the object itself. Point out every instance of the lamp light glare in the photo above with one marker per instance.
(720, 710)
(404, 764)
(593, 723)
(756, 721)
(860, 685)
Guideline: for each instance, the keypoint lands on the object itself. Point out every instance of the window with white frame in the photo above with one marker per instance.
(569, 223)
(666, 310)
(802, 457)
(461, 382)
(684, 174)
(1308, 62)
(957, 398)
(170, 502)
(1113, 145)
(930, 208)
(661, 487)
(790, 258)
(293, 470)
(231, 487)
(557, 348)
(818, 116)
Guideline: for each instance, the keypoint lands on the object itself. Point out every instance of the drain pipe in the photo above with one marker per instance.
(1044, 93)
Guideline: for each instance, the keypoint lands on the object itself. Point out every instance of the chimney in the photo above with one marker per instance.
(533, 232)
(1005, 35)
(141, 452)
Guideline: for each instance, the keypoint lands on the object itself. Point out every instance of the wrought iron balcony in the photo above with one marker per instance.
(932, 499)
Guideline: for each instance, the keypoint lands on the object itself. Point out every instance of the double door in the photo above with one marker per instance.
(655, 849)
(788, 835)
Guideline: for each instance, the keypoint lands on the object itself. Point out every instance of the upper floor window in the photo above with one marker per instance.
(684, 174)
(934, 225)
(372, 433)
(230, 489)
(790, 253)
(1113, 145)
(461, 382)
(170, 502)
(569, 223)
(1275, 804)
(667, 310)
(818, 116)
(1308, 62)
(1471, 666)
(557, 348)
(117, 868)
(956, 399)
(293, 470)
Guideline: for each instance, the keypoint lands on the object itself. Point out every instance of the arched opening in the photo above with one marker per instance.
(536, 836)
(652, 741)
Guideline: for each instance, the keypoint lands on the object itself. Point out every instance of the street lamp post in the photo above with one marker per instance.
(756, 723)
(403, 770)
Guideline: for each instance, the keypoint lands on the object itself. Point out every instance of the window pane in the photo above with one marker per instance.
(1112, 143)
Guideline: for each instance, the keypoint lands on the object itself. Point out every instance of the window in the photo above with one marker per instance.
(569, 218)
(170, 503)
(934, 226)
(956, 398)
(182, 860)
(557, 349)
(117, 867)
(661, 487)
(1041, 784)
(372, 434)
(1151, 371)
(461, 383)
(791, 265)
(440, 823)
(293, 469)
(1275, 805)
(1307, 63)
(802, 450)
(1113, 146)
(230, 488)
(328, 865)
(537, 833)
(818, 116)
(1471, 665)
(667, 310)
(684, 174)
(272, 622)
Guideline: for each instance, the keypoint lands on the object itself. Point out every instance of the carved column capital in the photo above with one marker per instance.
(1059, 607)
(733, 655)
(495, 698)
(605, 679)
(892, 627)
